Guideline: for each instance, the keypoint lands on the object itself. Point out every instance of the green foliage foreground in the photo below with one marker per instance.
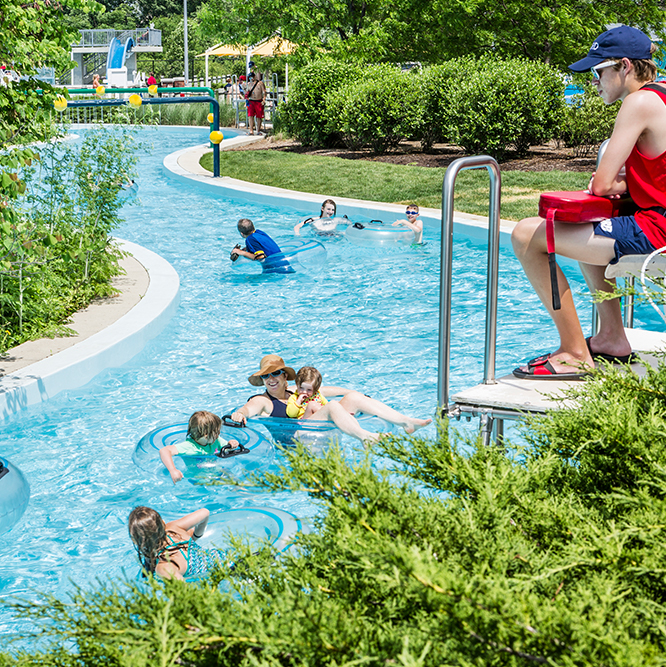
(441, 553)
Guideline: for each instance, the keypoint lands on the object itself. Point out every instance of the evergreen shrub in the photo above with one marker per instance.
(495, 105)
(305, 115)
(379, 111)
(441, 552)
(586, 122)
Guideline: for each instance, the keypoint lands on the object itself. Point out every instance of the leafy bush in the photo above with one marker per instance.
(499, 104)
(379, 111)
(305, 115)
(587, 121)
(435, 83)
(437, 554)
(55, 250)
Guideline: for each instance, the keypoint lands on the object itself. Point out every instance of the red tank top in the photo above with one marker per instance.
(646, 182)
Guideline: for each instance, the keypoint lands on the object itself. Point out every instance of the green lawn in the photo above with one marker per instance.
(397, 184)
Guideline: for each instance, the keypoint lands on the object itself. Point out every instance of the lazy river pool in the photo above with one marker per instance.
(367, 318)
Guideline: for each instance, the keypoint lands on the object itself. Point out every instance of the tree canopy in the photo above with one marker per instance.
(429, 31)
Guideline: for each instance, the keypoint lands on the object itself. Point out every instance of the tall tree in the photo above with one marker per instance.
(429, 31)
(34, 35)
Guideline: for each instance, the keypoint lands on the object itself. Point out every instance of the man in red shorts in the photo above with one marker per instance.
(256, 100)
(620, 61)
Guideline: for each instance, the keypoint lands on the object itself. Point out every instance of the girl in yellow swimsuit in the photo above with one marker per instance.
(307, 399)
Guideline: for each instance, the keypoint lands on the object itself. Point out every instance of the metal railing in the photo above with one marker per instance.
(446, 266)
(101, 38)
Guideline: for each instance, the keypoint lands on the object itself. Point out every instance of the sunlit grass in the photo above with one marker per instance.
(398, 184)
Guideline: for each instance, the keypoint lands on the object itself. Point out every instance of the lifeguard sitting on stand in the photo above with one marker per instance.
(620, 61)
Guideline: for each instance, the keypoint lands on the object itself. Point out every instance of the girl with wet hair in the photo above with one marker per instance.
(168, 549)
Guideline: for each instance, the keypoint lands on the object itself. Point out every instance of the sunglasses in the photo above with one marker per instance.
(273, 374)
(411, 212)
(596, 68)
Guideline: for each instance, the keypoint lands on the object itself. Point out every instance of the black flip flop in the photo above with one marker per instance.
(630, 358)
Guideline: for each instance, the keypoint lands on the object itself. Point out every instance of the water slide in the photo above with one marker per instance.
(118, 54)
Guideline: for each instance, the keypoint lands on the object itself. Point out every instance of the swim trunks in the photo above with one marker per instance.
(629, 238)
(255, 108)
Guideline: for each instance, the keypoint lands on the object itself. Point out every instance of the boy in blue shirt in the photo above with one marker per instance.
(260, 246)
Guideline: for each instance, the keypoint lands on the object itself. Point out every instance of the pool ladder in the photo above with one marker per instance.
(492, 418)
(491, 423)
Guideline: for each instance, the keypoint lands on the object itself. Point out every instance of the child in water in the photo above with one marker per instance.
(307, 399)
(203, 437)
(412, 222)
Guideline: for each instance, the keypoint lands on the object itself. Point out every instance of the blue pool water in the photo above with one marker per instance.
(367, 319)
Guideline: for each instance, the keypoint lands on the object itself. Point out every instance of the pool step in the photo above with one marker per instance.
(511, 398)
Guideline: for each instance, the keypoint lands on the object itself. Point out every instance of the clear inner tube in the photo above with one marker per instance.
(203, 470)
(255, 524)
(280, 528)
(14, 495)
(376, 233)
(297, 256)
(325, 227)
(312, 432)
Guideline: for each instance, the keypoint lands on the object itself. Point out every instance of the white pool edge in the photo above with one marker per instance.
(475, 226)
(109, 348)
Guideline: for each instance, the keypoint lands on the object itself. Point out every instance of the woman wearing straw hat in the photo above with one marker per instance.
(274, 375)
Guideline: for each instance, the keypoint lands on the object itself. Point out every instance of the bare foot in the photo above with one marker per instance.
(370, 438)
(613, 347)
(414, 424)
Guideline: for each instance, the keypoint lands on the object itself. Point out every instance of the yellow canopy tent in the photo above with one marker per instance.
(272, 46)
(275, 46)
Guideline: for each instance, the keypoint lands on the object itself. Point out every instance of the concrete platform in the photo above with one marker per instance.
(512, 395)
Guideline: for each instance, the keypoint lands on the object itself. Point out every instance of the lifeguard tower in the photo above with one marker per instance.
(112, 55)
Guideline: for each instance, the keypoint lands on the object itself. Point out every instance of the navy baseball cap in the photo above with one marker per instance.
(620, 42)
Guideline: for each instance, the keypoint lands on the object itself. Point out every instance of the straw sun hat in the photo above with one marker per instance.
(269, 364)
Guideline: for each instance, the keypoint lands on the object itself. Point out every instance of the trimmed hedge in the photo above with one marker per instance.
(587, 122)
(484, 105)
(435, 84)
(305, 116)
(379, 111)
(503, 104)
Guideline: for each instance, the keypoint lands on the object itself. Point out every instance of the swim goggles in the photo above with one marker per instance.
(411, 212)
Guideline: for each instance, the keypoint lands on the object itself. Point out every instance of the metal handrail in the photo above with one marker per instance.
(472, 162)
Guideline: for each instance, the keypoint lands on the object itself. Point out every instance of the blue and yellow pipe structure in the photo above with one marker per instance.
(214, 105)
(146, 91)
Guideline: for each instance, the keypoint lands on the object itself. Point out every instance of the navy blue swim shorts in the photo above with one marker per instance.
(629, 237)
